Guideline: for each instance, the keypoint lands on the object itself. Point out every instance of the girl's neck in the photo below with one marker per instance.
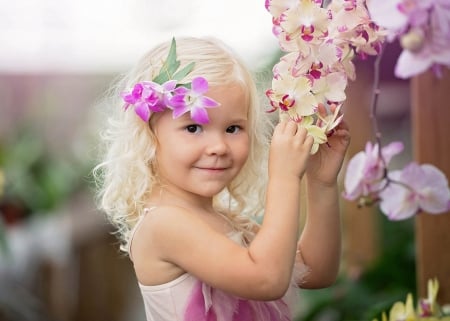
(199, 205)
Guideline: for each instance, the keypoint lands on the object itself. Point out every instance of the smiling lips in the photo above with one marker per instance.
(213, 169)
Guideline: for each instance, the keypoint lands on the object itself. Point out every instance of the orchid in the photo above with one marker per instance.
(423, 29)
(317, 133)
(403, 311)
(420, 187)
(309, 82)
(166, 92)
(330, 88)
(427, 309)
(320, 44)
(293, 95)
(329, 121)
(365, 176)
(148, 97)
(193, 101)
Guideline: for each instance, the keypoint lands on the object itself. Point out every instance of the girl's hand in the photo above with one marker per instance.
(324, 166)
(289, 150)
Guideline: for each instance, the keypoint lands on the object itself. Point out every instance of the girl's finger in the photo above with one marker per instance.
(291, 127)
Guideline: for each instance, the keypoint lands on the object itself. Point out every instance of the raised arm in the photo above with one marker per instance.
(275, 245)
(320, 243)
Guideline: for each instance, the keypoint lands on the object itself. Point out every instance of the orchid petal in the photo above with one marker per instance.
(386, 14)
(141, 109)
(199, 85)
(397, 202)
(207, 102)
(435, 193)
(391, 150)
(199, 115)
(128, 98)
(409, 64)
(177, 101)
(353, 176)
(178, 111)
(169, 85)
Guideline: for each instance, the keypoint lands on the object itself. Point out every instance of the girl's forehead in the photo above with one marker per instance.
(233, 94)
(234, 89)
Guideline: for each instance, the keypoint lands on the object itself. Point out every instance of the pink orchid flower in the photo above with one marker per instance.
(365, 171)
(148, 97)
(193, 101)
(423, 28)
(422, 187)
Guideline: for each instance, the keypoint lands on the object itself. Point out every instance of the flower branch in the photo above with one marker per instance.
(320, 40)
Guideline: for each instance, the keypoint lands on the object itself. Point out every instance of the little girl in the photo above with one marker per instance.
(183, 176)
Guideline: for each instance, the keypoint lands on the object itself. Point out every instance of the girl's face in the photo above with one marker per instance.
(203, 159)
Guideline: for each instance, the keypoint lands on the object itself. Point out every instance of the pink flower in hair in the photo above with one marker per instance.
(192, 100)
(167, 91)
(148, 97)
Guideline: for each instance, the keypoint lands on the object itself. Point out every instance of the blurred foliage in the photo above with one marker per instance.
(36, 179)
(365, 297)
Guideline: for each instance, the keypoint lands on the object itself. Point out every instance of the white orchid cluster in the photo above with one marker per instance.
(309, 85)
(320, 43)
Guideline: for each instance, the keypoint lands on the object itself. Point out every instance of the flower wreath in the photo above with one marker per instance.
(166, 91)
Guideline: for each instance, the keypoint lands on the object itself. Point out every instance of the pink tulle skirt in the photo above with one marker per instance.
(209, 304)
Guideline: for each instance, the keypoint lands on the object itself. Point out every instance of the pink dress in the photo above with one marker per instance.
(188, 299)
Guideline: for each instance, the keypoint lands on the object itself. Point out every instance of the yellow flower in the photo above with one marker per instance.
(428, 307)
(403, 311)
(383, 317)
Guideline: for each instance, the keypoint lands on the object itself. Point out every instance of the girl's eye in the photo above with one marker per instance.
(193, 129)
(233, 129)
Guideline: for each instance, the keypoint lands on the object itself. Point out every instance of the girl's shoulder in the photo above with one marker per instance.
(157, 219)
(160, 224)
(155, 231)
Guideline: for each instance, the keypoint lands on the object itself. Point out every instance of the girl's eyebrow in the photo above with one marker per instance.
(239, 120)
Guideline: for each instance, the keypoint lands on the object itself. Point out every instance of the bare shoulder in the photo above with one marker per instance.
(165, 228)
(162, 223)
(165, 219)
(161, 231)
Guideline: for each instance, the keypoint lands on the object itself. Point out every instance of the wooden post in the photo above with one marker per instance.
(361, 230)
(431, 144)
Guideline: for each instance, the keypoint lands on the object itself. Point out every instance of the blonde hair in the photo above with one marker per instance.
(125, 177)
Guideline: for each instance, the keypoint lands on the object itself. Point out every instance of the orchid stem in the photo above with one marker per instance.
(373, 115)
(374, 102)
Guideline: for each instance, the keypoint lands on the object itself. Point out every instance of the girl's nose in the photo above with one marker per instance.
(217, 145)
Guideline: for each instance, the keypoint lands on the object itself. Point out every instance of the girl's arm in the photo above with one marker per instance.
(320, 243)
(275, 245)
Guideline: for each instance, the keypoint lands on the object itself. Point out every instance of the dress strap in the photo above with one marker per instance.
(135, 228)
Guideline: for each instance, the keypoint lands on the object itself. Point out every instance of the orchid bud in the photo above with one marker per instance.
(413, 40)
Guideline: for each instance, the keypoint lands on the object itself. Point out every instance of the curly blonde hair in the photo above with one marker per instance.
(125, 177)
